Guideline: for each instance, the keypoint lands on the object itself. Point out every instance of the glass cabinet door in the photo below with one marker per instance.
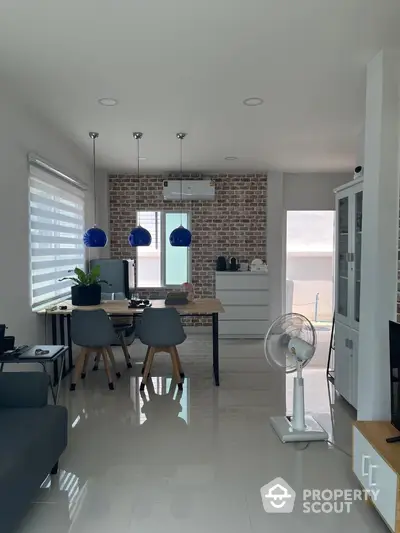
(357, 253)
(343, 257)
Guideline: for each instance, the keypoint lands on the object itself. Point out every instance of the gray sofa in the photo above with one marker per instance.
(33, 435)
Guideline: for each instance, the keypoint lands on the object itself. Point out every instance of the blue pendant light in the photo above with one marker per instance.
(139, 236)
(94, 237)
(180, 236)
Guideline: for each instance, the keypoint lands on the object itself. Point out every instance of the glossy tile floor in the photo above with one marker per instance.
(196, 461)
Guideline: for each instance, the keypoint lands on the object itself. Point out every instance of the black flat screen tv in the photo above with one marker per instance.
(394, 349)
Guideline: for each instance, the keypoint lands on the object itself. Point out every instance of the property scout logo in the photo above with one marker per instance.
(279, 497)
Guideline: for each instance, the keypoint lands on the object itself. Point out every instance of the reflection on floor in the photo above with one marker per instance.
(194, 461)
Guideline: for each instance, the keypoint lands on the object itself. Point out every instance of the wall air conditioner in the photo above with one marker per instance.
(191, 190)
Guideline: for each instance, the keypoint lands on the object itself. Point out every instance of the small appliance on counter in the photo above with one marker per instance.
(244, 266)
(221, 264)
(233, 264)
(258, 265)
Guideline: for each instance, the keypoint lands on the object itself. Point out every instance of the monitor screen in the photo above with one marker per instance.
(394, 348)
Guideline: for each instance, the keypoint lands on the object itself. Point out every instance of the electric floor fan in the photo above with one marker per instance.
(290, 345)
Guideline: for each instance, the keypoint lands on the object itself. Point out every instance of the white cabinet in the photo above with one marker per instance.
(346, 362)
(374, 468)
(348, 253)
(244, 296)
(347, 287)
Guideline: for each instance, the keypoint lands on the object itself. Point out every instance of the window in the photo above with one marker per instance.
(160, 264)
(56, 219)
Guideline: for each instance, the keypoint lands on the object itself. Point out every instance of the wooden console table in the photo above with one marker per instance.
(377, 466)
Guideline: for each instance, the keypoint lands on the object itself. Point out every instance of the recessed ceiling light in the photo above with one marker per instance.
(253, 101)
(231, 158)
(108, 102)
(142, 158)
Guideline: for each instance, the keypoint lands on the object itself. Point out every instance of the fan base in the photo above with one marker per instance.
(284, 429)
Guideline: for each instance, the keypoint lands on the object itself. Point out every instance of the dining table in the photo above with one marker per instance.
(60, 314)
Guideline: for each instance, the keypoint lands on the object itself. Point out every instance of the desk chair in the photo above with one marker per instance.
(161, 330)
(93, 332)
(124, 328)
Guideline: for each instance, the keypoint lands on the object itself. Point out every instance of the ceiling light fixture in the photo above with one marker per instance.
(94, 237)
(108, 102)
(181, 236)
(231, 158)
(253, 101)
(139, 236)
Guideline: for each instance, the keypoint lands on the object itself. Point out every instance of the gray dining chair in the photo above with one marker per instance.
(162, 331)
(124, 328)
(94, 332)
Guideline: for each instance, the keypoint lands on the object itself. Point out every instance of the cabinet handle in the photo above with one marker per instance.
(350, 344)
(365, 458)
(371, 469)
(346, 343)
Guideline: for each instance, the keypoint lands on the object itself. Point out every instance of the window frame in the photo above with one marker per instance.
(163, 213)
(41, 171)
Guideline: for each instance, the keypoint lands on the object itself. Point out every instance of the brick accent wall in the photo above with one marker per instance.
(235, 223)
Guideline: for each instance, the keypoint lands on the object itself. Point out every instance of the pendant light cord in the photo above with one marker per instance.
(138, 158)
(181, 150)
(181, 136)
(138, 135)
(94, 135)
(94, 180)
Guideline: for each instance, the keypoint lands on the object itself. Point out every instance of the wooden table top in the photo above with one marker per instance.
(204, 306)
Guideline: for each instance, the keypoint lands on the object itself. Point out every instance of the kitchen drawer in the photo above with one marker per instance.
(230, 297)
(243, 328)
(375, 474)
(246, 281)
(245, 312)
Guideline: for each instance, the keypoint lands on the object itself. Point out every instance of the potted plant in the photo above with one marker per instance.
(86, 289)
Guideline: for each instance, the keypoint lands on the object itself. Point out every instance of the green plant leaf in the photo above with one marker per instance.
(75, 280)
(91, 278)
(83, 278)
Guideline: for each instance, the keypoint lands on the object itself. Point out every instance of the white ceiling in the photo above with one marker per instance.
(186, 65)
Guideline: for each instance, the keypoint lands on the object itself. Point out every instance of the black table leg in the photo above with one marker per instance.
(215, 348)
(70, 359)
(54, 341)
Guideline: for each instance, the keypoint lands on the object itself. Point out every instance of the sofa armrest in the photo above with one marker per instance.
(23, 389)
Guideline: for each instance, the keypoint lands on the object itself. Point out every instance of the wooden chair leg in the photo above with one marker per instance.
(96, 361)
(145, 359)
(175, 366)
(112, 359)
(149, 363)
(107, 369)
(78, 368)
(85, 364)
(181, 373)
(125, 351)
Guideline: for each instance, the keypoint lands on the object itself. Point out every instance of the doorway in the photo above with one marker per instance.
(310, 255)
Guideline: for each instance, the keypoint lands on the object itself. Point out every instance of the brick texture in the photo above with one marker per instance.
(233, 224)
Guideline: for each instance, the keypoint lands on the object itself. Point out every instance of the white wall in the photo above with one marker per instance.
(22, 132)
(314, 191)
(286, 192)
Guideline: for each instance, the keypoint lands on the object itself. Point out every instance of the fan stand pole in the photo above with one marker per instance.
(299, 427)
(298, 420)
